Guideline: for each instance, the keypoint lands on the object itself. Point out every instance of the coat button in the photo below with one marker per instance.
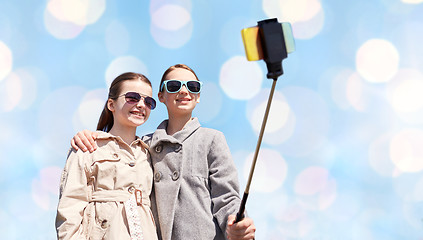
(131, 164)
(104, 224)
(157, 176)
(131, 189)
(115, 155)
(159, 148)
(175, 175)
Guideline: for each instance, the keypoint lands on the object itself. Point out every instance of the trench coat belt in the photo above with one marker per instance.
(115, 196)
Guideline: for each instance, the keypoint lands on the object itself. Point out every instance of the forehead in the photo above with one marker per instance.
(136, 86)
(180, 74)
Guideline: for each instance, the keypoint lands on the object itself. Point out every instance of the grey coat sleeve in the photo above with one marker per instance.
(223, 180)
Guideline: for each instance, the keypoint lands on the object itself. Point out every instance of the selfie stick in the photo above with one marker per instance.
(271, 41)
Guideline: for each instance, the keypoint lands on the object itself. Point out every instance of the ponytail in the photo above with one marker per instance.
(105, 123)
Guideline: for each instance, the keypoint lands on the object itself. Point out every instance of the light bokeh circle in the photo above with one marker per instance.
(29, 88)
(310, 28)
(278, 116)
(293, 222)
(155, 5)
(10, 92)
(412, 1)
(306, 16)
(60, 29)
(270, 170)
(377, 60)
(170, 17)
(79, 12)
(350, 90)
(6, 60)
(89, 110)
(66, 19)
(240, 79)
(292, 10)
(311, 181)
(45, 187)
(347, 89)
(124, 64)
(316, 189)
(280, 122)
(406, 151)
(405, 92)
(171, 25)
(408, 96)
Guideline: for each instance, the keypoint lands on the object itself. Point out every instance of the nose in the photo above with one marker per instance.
(184, 89)
(141, 103)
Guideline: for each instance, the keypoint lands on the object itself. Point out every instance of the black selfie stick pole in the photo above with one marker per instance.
(240, 214)
(274, 51)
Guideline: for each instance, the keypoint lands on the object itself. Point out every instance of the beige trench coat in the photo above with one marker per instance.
(94, 187)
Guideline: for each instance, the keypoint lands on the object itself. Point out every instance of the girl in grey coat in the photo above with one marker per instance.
(196, 190)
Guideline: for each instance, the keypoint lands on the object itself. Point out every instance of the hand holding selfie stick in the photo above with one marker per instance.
(271, 41)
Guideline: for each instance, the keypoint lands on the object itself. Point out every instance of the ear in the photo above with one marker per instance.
(111, 105)
(198, 99)
(161, 97)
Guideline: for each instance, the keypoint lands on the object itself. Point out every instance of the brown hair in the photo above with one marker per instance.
(105, 123)
(170, 69)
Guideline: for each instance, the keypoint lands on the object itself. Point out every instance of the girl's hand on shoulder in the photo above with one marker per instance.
(85, 140)
(242, 230)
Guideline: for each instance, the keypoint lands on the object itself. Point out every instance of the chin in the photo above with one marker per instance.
(186, 107)
(138, 122)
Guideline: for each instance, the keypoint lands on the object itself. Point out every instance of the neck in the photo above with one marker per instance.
(127, 134)
(176, 124)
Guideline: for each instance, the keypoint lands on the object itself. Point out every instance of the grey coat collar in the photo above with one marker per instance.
(160, 135)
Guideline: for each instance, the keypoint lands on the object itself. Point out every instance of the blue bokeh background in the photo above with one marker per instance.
(342, 155)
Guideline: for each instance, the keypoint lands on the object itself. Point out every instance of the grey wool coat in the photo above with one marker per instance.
(195, 182)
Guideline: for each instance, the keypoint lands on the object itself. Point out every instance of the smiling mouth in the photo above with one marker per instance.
(183, 100)
(138, 114)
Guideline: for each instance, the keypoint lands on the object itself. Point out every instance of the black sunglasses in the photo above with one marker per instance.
(134, 98)
(174, 86)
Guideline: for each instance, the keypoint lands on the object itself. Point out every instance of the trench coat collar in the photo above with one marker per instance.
(160, 135)
(105, 135)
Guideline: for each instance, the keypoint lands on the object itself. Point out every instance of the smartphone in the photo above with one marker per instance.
(252, 43)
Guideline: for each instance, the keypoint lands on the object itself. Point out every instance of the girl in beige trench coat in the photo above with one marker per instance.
(196, 190)
(105, 194)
